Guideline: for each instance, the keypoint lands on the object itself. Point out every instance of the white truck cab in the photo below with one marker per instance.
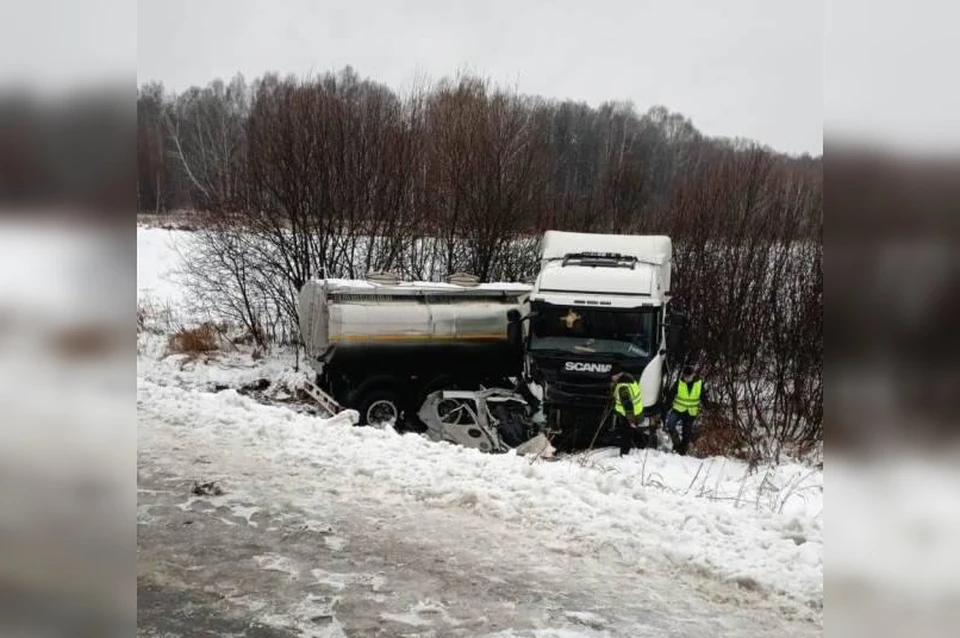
(598, 305)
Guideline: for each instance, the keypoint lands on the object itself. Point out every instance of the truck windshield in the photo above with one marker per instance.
(592, 330)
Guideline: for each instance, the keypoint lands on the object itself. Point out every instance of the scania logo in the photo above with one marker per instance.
(582, 366)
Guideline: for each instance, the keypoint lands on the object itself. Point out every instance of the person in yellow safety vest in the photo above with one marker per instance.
(628, 409)
(684, 399)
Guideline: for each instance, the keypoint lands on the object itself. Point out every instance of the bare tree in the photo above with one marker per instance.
(206, 132)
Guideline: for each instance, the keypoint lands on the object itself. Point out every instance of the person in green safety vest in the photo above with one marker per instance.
(627, 409)
(684, 398)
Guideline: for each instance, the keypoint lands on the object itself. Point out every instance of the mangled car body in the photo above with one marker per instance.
(493, 420)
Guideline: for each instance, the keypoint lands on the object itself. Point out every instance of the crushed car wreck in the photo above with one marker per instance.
(492, 420)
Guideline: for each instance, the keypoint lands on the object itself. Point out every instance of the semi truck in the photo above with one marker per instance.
(598, 305)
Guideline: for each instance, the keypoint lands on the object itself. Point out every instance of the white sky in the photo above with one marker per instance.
(747, 68)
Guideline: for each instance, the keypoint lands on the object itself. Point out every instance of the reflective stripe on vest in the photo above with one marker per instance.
(635, 397)
(688, 399)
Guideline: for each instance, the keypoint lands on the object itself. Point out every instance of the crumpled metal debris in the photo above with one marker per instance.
(492, 420)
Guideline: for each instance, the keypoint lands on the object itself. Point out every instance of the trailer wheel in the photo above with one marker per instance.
(380, 407)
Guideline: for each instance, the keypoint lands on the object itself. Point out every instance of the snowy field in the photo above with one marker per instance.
(326, 529)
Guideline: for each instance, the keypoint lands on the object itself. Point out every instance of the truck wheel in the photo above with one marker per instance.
(379, 408)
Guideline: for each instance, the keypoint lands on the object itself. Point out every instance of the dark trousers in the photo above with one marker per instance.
(680, 429)
(629, 437)
(625, 434)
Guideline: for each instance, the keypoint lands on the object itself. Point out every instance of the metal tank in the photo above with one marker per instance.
(361, 335)
(341, 320)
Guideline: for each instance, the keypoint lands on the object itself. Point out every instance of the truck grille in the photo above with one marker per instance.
(590, 392)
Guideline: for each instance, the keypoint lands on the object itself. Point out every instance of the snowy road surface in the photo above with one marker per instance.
(325, 529)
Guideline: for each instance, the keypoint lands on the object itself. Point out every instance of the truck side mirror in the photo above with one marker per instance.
(676, 332)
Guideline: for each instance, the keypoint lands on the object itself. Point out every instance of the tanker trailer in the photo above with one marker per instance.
(381, 348)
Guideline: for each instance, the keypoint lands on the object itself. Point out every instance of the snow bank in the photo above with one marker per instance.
(157, 262)
(761, 531)
(229, 368)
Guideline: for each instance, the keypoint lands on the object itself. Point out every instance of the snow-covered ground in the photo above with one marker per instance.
(158, 258)
(591, 545)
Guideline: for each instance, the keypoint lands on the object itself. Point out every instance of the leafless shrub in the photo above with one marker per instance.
(749, 278)
(719, 436)
(194, 341)
(155, 318)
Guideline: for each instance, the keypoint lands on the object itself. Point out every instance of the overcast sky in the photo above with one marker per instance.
(747, 68)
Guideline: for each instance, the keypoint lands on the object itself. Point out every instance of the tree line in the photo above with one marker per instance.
(335, 175)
